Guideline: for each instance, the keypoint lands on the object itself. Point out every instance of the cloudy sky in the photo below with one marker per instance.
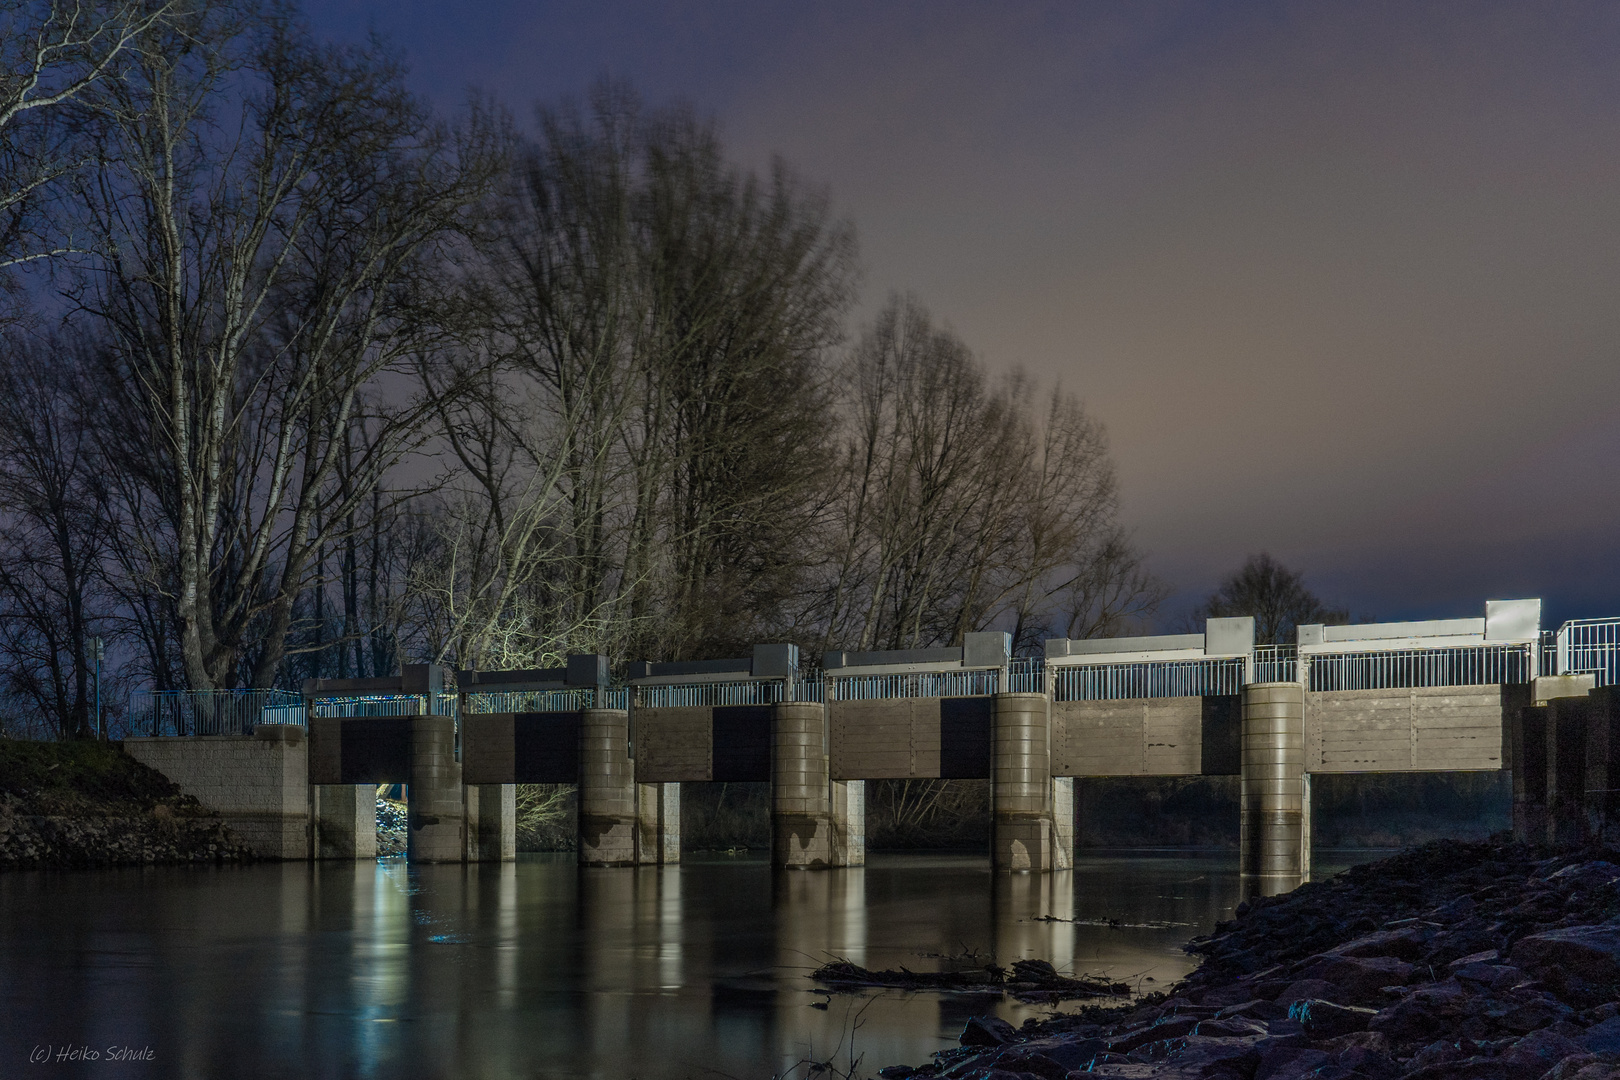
(1342, 279)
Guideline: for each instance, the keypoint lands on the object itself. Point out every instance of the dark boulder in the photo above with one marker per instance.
(1324, 1019)
(987, 1031)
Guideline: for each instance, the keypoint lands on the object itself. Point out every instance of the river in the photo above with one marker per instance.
(540, 969)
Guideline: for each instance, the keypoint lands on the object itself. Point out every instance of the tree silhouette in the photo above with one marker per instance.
(1275, 595)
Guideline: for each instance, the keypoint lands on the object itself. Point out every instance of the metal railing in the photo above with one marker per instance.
(1148, 679)
(1473, 665)
(1275, 663)
(688, 695)
(211, 712)
(1592, 646)
(1027, 675)
(914, 684)
(380, 705)
(571, 700)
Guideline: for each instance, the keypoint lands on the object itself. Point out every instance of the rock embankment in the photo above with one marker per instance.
(1485, 961)
(85, 804)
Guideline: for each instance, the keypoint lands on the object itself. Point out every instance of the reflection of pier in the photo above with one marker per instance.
(1446, 695)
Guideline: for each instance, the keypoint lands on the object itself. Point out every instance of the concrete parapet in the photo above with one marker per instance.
(1548, 688)
(658, 824)
(345, 820)
(801, 808)
(1021, 783)
(1273, 787)
(436, 820)
(258, 783)
(491, 814)
(607, 789)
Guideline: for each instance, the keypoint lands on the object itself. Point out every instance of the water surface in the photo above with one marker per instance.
(541, 969)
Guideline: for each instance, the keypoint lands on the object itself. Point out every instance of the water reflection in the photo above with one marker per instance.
(383, 970)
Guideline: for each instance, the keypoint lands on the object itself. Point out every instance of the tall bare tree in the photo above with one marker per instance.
(642, 474)
(52, 535)
(962, 506)
(269, 221)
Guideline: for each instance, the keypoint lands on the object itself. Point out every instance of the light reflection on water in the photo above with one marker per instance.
(541, 969)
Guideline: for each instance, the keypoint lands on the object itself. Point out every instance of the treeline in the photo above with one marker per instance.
(305, 378)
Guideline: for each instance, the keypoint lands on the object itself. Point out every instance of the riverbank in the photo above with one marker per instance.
(69, 805)
(1453, 961)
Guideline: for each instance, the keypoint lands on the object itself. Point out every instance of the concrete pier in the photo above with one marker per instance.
(801, 810)
(1527, 735)
(1063, 823)
(1602, 802)
(1273, 808)
(608, 818)
(658, 824)
(1020, 783)
(1567, 721)
(848, 817)
(345, 820)
(436, 819)
(491, 811)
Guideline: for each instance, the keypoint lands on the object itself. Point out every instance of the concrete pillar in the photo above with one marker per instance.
(491, 822)
(1063, 823)
(1020, 783)
(607, 789)
(436, 820)
(658, 823)
(1567, 719)
(801, 809)
(1272, 787)
(1603, 765)
(848, 815)
(1527, 736)
(345, 817)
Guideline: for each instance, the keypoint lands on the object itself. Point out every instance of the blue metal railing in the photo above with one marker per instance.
(572, 700)
(211, 712)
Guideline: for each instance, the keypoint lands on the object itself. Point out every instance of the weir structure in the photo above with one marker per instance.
(1473, 694)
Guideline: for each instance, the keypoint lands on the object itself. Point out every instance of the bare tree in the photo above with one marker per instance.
(1275, 595)
(269, 223)
(962, 507)
(51, 53)
(642, 472)
(51, 535)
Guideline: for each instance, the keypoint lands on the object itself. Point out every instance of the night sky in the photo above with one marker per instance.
(1341, 279)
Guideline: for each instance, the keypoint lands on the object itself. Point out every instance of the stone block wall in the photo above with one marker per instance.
(258, 783)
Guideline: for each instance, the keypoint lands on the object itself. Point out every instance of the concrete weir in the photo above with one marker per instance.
(1444, 695)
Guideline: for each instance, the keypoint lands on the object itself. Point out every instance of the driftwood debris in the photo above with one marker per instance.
(1029, 980)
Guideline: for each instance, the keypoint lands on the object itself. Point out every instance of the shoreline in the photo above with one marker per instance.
(1467, 960)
